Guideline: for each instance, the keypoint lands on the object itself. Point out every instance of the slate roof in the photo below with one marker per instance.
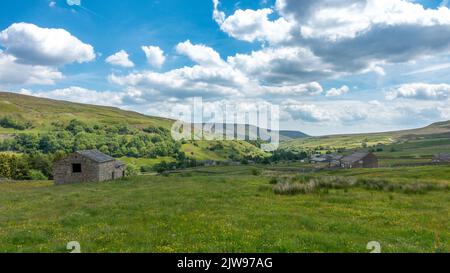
(442, 157)
(319, 158)
(335, 157)
(355, 157)
(326, 157)
(96, 156)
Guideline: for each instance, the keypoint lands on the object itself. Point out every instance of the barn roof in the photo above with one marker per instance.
(445, 157)
(326, 157)
(96, 156)
(355, 157)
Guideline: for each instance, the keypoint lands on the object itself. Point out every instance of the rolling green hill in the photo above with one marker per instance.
(392, 148)
(408, 146)
(41, 114)
(438, 130)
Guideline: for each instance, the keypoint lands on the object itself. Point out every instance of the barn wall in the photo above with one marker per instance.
(90, 171)
(62, 170)
(370, 161)
(108, 171)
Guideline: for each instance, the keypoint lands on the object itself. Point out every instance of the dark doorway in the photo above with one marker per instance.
(76, 168)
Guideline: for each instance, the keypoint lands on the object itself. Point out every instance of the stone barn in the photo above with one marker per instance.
(441, 158)
(360, 160)
(87, 166)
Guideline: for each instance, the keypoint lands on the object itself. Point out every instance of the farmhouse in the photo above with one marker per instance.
(87, 166)
(441, 158)
(319, 158)
(360, 160)
(332, 159)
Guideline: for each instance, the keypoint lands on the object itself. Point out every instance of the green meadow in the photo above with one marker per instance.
(226, 209)
(279, 207)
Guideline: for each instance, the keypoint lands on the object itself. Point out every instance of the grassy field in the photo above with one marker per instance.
(413, 151)
(337, 142)
(145, 162)
(431, 138)
(225, 209)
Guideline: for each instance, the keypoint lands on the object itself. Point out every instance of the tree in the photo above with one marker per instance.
(131, 170)
(37, 175)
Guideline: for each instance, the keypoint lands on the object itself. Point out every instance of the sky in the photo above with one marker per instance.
(332, 67)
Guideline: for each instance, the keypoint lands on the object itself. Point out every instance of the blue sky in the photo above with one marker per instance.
(332, 66)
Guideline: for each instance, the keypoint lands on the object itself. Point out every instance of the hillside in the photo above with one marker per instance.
(416, 146)
(437, 130)
(42, 112)
(33, 115)
(40, 115)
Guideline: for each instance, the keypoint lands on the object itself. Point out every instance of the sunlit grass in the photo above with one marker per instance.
(234, 210)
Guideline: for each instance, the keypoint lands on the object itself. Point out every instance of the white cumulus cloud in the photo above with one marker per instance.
(254, 25)
(348, 37)
(13, 73)
(420, 91)
(120, 58)
(155, 55)
(34, 45)
(335, 92)
(200, 54)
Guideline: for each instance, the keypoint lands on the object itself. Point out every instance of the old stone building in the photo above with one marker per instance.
(87, 166)
(360, 160)
(441, 158)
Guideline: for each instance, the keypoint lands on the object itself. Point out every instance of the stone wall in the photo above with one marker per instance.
(370, 161)
(62, 170)
(90, 171)
(108, 171)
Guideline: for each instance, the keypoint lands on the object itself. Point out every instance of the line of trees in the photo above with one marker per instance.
(26, 167)
(39, 151)
(117, 141)
(15, 123)
(183, 162)
(29, 156)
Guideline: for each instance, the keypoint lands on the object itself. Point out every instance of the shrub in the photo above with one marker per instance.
(131, 170)
(273, 181)
(146, 169)
(37, 175)
(10, 122)
(256, 172)
(294, 188)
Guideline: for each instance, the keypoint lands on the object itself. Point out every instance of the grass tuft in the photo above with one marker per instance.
(318, 184)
